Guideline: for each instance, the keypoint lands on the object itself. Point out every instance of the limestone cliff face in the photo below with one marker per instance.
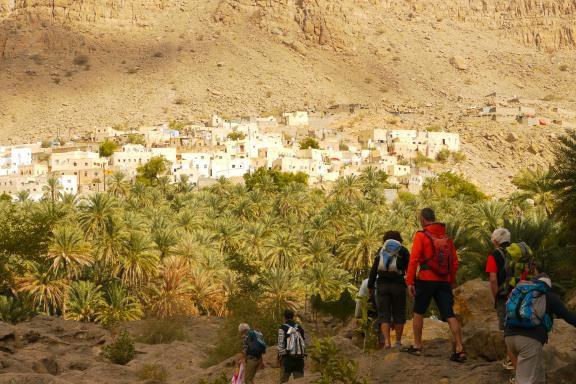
(547, 24)
(81, 10)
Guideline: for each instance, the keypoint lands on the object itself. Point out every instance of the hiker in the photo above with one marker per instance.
(496, 268)
(291, 348)
(529, 317)
(253, 347)
(434, 252)
(387, 277)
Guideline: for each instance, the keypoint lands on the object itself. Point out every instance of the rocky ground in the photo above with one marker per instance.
(53, 351)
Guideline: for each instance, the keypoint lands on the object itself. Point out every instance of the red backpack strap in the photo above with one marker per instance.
(430, 237)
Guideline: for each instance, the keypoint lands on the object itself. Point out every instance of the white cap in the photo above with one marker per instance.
(501, 235)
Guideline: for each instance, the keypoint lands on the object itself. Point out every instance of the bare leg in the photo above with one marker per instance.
(513, 358)
(385, 327)
(418, 325)
(399, 328)
(456, 333)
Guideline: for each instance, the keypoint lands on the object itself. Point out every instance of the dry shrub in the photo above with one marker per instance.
(154, 372)
(81, 60)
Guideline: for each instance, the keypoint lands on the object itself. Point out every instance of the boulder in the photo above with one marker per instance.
(46, 365)
(7, 338)
(484, 343)
(512, 137)
(459, 63)
(473, 302)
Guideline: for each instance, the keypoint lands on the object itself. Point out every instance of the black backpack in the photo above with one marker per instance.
(256, 343)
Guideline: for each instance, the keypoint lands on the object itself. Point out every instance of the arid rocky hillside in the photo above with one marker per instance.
(69, 65)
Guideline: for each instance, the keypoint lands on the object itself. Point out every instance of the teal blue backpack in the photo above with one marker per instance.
(526, 307)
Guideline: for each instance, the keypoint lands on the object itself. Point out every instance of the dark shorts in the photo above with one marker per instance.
(391, 303)
(441, 291)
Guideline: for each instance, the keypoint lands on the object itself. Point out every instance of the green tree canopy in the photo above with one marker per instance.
(107, 148)
(273, 179)
(149, 173)
(309, 142)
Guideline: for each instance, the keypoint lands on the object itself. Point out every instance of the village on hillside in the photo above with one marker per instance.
(299, 141)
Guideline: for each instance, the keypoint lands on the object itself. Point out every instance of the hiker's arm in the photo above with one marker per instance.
(373, 274)
(414, 256)
(559, 309)
(494, 284)
(281, 347)
(406, 258)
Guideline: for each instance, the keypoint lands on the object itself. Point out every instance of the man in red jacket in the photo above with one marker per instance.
(435, 255)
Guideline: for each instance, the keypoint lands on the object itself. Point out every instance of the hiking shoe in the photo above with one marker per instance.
(459, 357)
(507, 364)
(413, 350)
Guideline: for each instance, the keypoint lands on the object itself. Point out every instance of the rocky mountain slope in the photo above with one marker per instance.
(53, 351)
(69, 65)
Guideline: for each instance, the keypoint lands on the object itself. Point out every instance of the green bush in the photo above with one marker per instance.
(279, 179)
(341, 309)
(163, 332)
(458, 157)
(332, 367)
(421, 160)
(236, 136)
(135, 138)
(121, 351)
(13, 310)
(309, 142)
(154, 372)
(443, 155)
(107, 148)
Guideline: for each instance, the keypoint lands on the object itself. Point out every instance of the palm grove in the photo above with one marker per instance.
(159, 250)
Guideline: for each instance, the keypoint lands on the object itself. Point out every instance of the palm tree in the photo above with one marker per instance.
(281, 289)
(184, 185)
(84, 301)
(227, 233)
(165, 239)
(45, 287)
(208, 296)
(171, 295)
(52, 189)
(284, 251)
(372, 179)
(537, 185)
(23, 196)
(94, 213)
(138, 262)
(68, 251)
(69, 200)
(253, 242)
(360, 242)
(348, 187)
(119, 306)
(107, 245)
(564, 177)
(316, 251)
(320, 227)
(326, 280)
(118, 185)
